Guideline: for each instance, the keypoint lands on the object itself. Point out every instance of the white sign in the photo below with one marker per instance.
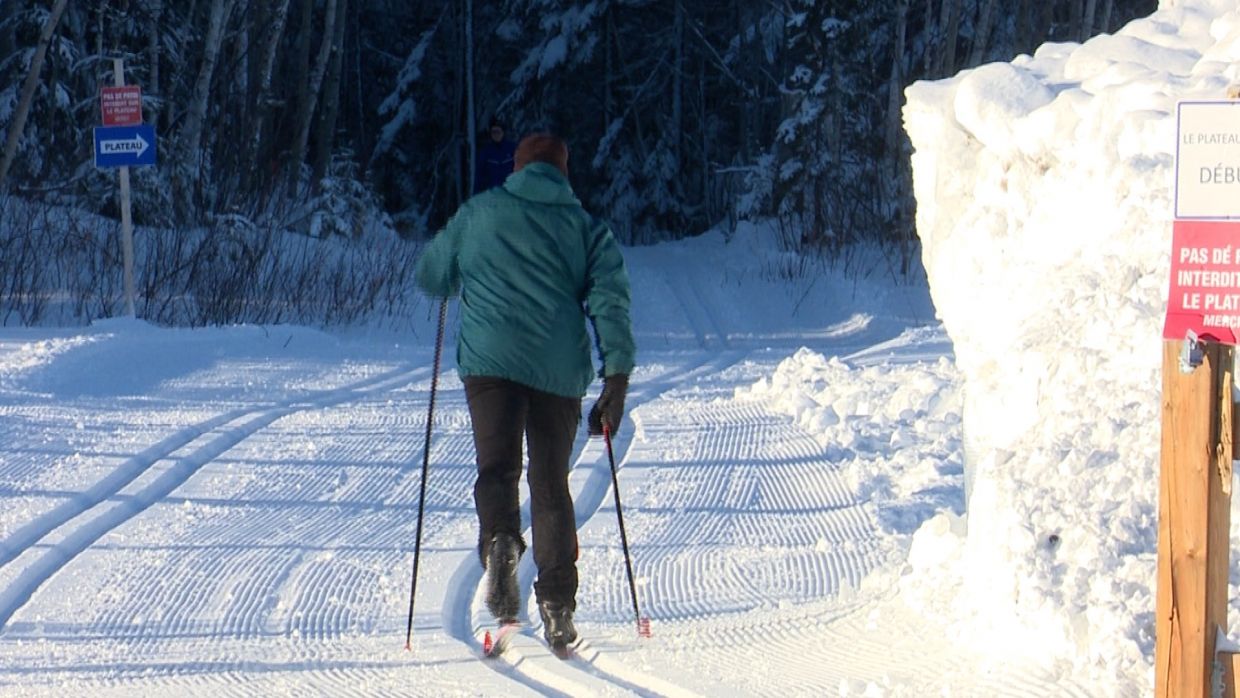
(135, 145)
(1207, 162)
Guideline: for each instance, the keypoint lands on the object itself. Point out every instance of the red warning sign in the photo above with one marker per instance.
(1204, 294)
(121, 106)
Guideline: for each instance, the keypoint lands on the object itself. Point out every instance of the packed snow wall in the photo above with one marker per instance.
(1044, 204)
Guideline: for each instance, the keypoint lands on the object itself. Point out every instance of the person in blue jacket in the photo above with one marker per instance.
(533, 269)
(495, 159)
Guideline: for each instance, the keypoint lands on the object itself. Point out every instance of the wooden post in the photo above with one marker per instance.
(118, 79)
(1231, 669)
(1194, 519)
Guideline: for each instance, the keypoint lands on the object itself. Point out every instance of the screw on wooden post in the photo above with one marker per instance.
(1194, 518)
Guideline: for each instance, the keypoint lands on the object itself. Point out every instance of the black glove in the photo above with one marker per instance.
(609, 409)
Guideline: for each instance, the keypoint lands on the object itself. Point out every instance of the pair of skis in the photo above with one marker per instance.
(493, 645)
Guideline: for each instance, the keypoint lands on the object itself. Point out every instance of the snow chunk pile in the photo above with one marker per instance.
(895, 429)
(1044, 204)
(20, 358)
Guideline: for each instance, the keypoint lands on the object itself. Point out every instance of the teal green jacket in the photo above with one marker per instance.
(531, 266)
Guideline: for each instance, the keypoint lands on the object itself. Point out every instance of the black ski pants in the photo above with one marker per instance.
(503, 412)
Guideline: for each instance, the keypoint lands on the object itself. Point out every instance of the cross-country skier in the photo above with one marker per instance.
(531, 267)
(495, 158)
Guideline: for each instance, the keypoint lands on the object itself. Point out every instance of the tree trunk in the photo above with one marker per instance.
(981, 34)
(305, 117)
(243, 62)
(191, 134)
(325, 138)
(678, 81)
(300, 78)
(948, 31)
(1087, 22)
(1076, 19)
(100, 36)
(154, 55)
(279, 18)
(703, 144)
(609, 71)
(1022, 31)
(460, 184)
(951, 35)
(743, 105)
(836, 135)
(262, 100)
(1044, 22)
(471, 119)
(8, 36)
(895, 85)
(1104, 25)
(28, 88)
(928, 55)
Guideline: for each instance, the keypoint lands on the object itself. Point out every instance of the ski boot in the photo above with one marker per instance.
(558, 628)
(503, 594)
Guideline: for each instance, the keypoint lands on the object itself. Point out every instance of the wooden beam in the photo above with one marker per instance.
(1231, 669)
(1194, 519)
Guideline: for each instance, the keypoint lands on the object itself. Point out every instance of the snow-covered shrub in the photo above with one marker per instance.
(60, 265)
(344, 205)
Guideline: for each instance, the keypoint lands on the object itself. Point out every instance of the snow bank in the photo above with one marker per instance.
(894, 427)
(1043, 189)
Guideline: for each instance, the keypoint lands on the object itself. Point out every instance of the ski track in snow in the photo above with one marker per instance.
(134, 486)
(526, 659)
(266, 549)
(32, 554)
(697, 312)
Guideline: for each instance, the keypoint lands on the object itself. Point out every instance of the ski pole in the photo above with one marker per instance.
(643, 624)
(426, 461)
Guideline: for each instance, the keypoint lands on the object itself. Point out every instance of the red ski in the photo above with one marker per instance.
(494, 644)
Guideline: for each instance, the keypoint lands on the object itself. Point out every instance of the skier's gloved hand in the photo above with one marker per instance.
(609, 409)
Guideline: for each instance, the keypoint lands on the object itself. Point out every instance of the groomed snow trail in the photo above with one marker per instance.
(232, 512)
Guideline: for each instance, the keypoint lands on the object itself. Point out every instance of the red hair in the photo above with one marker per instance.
(542, 147)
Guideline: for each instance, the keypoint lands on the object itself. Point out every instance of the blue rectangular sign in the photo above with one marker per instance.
(124, 146)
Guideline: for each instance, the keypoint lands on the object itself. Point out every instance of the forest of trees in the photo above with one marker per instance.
(679, 113)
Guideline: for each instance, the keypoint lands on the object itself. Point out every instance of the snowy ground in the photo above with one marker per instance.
(232, 511)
